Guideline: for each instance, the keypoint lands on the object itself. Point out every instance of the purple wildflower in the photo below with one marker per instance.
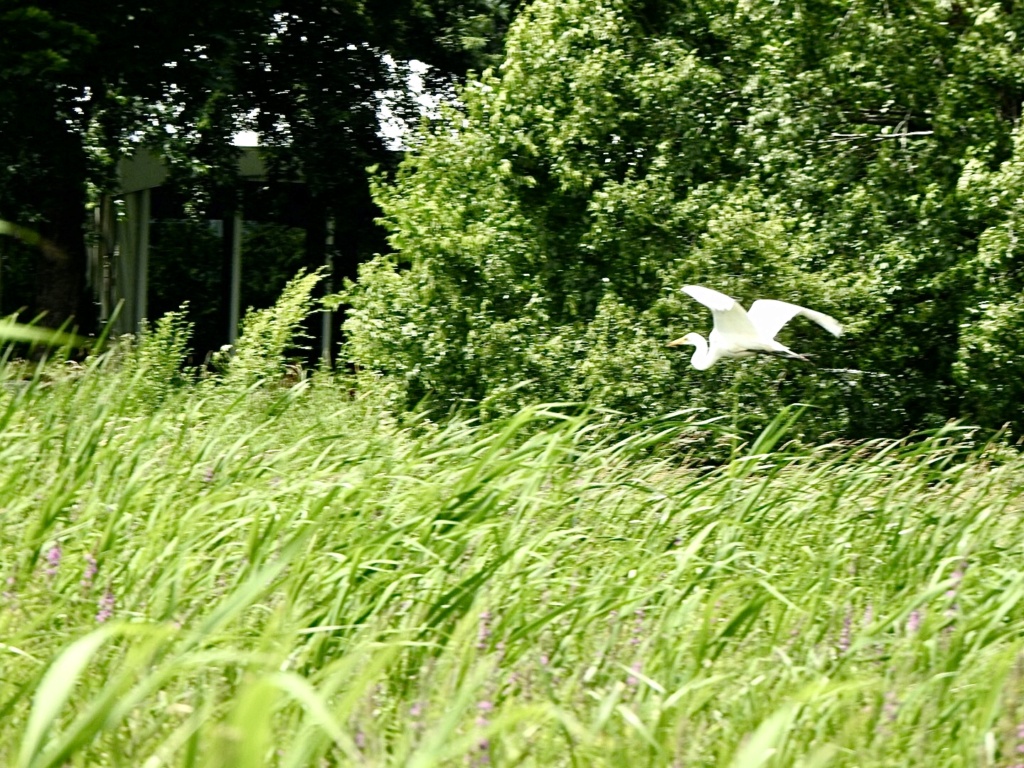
(484, 632)
(844, 635)
(957, 576)
(91, 567)
(208, 475)
(890, 711)
(638, 627)
(106, 606)
(1019, 747)
(544, 660)
(1020, 744)
(484, 755)
(483, 746)
(53, 560)
(891, 707)
(633, 681)
(914, 621)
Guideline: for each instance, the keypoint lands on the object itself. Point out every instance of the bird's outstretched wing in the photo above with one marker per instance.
(769, 315)
(730, 317)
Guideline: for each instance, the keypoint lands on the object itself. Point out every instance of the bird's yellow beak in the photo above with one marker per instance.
(677, 343)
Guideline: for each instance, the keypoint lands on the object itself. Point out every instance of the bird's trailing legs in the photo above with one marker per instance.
(788, 355)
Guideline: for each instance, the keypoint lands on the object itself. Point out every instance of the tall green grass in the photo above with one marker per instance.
(231, 572)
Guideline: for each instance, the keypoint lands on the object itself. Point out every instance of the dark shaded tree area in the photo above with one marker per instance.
(81, 83)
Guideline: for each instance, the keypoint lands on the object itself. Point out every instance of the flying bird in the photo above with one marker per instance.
(739, 333)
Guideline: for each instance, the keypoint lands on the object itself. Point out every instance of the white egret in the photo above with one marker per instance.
(739, 333)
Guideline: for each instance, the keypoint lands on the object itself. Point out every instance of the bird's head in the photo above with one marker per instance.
(692, 339)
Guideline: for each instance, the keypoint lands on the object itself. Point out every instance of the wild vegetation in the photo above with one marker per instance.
(237, 570)
(518, 530)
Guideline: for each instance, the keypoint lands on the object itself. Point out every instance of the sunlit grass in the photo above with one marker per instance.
(225, 574)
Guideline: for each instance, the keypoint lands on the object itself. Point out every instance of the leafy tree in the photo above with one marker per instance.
(990, 357)
(813, 152)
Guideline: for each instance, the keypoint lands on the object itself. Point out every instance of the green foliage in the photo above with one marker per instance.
(259, 352)
(11, 331)
(222, 579)
(990, 364)
(840, 157)
(158, 357)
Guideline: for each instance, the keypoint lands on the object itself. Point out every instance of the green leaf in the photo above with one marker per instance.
(55, 689)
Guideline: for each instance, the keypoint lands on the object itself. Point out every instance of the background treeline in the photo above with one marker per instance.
(862, 158)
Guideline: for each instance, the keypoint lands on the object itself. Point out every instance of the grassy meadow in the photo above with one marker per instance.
(225, 572)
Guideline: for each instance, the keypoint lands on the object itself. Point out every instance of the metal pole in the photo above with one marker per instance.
(327, 316)
(104, 247)
(235, 306)
(142, 272)
(108, 246)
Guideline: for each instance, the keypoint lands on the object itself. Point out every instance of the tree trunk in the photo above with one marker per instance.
(58, 194)
(61, 291)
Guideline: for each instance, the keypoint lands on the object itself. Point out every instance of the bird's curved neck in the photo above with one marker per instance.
(702, 358)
